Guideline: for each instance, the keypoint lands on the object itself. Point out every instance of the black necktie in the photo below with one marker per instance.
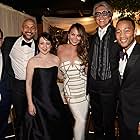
(25, 43)
(122, 54)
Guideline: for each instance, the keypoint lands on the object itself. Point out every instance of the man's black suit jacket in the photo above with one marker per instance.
(3, 83)
(5, 102)
(113, 58)
(130, 90)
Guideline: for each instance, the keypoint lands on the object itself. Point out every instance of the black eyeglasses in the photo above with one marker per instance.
(104, 13)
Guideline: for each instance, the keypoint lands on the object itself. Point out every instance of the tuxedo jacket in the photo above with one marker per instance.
(130, 90)
(113, 59)
(3, 81)
(7, 47)
(5, 102)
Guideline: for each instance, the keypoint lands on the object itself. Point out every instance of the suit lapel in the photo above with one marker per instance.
(132, 60)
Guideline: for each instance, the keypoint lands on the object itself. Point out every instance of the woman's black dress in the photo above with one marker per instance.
(53, 120)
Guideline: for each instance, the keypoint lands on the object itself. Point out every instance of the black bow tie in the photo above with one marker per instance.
(25, 43)
(122, 54)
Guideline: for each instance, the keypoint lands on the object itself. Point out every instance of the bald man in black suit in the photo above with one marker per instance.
(17, 51)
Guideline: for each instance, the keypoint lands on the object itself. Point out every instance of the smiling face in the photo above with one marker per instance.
(44, 45)
(28, 29)
(102, 16)
(74, 36)
(125, 33)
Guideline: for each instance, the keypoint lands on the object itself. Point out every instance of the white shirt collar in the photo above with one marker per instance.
(102, 32)
(22, 38)
(104, 29)
(129, 51)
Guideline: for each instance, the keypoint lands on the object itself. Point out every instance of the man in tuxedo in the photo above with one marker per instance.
(103, 74)
(129, 67)
(5, 102)
(17, 52)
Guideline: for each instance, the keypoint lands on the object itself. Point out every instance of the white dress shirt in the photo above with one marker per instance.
(122, 63)
(19, 57)
(101, 32)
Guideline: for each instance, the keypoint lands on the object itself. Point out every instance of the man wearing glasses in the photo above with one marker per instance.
(103, 74)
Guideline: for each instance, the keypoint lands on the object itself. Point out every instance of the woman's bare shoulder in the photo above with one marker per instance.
(32, 61)
(62, 47)
(56, 59)
(62, 50)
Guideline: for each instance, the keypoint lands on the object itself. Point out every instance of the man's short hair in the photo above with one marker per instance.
(105, 4)
(127, 19)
